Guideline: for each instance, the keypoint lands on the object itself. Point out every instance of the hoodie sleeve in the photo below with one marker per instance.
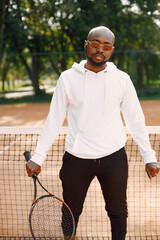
(135, 122)
(54, 121)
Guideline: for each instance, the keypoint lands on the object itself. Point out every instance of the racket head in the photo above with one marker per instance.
(51, 218)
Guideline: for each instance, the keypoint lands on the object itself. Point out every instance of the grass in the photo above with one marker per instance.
(143, 94)
(149, 93)
(43, 98)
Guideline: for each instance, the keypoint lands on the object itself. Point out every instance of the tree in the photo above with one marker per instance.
(55, 28)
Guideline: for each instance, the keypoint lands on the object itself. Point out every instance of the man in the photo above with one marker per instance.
(94, 93)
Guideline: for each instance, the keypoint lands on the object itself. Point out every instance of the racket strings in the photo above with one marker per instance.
(51, 218)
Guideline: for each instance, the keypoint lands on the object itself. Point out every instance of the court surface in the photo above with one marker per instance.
(34, 114)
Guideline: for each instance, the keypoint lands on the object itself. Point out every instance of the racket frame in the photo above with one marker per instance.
(35, 180)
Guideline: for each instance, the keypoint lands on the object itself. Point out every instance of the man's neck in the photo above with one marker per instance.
(93, 68)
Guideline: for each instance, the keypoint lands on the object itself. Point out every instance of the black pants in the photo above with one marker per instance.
(76, 175)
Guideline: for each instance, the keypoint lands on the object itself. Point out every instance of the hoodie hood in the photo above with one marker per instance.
(80, 67)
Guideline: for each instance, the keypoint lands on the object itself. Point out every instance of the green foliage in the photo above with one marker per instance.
(40, 33)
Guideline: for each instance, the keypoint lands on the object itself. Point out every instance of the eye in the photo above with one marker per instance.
(107, 47)
(94, 44)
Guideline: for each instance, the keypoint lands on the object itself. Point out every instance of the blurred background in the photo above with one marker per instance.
(38, 40)
(41, 38)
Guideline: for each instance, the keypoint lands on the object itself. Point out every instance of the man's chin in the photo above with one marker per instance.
(97, 64)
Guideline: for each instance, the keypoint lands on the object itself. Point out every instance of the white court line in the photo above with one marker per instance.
(11, 144)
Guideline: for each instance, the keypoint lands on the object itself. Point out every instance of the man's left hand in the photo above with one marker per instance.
(152, 169)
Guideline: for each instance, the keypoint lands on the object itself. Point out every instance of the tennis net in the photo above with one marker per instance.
(16, 188)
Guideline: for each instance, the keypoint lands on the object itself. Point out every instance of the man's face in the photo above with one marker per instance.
(96, 51)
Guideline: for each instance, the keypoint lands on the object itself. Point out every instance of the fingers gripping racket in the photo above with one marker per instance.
(50, 217)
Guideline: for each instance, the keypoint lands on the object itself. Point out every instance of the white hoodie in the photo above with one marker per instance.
(94, 102)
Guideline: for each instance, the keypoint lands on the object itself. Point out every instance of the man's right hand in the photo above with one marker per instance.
(32, 167)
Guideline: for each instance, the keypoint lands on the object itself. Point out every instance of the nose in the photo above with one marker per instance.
(100, 48)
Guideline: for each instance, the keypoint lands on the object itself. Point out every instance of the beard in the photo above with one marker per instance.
(97, 64)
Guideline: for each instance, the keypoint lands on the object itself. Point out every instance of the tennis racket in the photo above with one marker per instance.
(50, 217)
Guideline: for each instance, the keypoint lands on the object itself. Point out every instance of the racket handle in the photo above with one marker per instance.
(27, 155)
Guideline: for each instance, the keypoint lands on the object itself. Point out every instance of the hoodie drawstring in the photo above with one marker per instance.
(85, 82)
(85, 87)
(105, 101)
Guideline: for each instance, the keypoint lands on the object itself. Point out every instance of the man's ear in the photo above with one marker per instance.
(85, 44)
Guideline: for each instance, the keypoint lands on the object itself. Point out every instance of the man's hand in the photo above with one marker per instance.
(152, 169)
(32, 167)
